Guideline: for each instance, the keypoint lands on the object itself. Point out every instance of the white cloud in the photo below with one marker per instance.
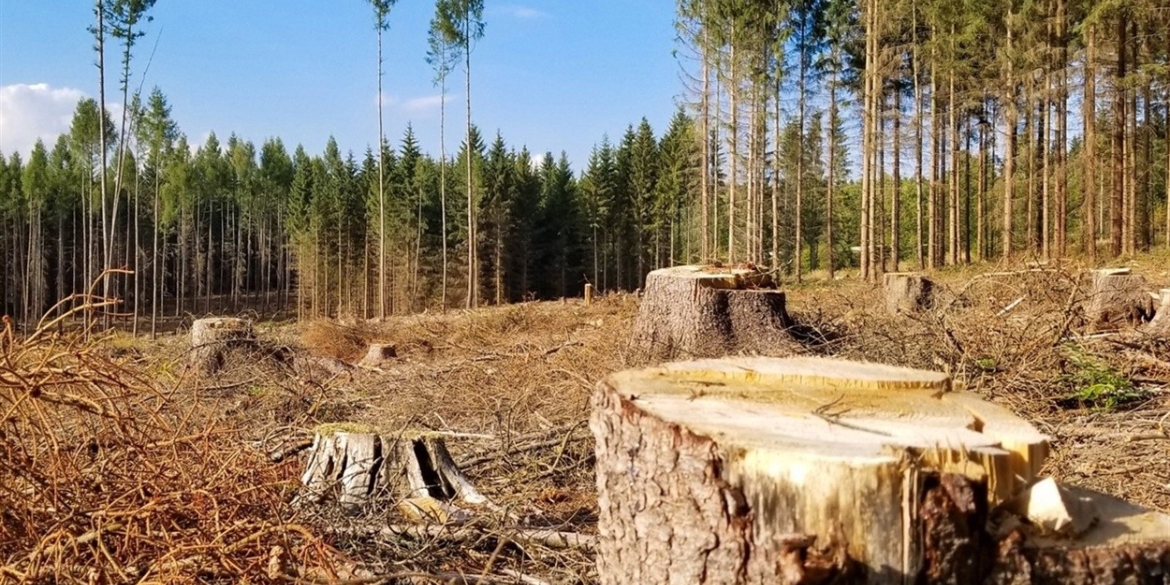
(28, 112)
(525, 13)
(422, 104)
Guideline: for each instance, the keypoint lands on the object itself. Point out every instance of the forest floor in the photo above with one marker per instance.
(156, 472)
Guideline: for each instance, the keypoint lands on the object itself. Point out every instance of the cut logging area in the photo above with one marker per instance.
(121, 436)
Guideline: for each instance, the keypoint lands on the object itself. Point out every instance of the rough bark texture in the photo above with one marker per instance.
(1160, 325)
(1117, 298)
(908, 292)
(356, 465)
(700, 311)
(707, 473)
(213, 338)
(668, 514)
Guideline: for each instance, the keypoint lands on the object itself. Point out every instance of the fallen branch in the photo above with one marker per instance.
(548, 538)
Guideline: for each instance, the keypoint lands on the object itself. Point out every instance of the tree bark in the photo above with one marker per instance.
(212, 338)
(1117, 208)
(1089, 119)
(706, 311)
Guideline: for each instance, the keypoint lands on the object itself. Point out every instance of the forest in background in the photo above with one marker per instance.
(815, 135)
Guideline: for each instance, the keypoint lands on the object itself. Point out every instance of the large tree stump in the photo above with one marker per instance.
(708, 311)
(212, 338)
(802, 471)
(907, 292)
(1117, 298)
(354, 464)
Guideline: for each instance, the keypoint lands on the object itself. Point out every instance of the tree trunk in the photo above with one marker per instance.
(1117, 208)
(1089, 184)
(707, 311)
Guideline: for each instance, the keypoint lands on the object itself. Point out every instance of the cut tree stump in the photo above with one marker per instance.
(1160, 325)
(708, 311)
(354, 464)
(378, 355)
(808, 471)
(212, 338)
(1117, 298)
(908, 292)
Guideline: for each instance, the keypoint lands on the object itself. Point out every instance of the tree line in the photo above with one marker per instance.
(814, 135)
(983, 129)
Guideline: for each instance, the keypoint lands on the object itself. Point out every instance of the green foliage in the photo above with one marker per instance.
(1097, 384)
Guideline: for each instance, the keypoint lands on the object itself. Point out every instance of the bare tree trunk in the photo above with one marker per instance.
(382, 193)
(443, 177)
(1116, 210)
(733, 141)
(934, 223)
(1061, 178)
(896, 196)
(1010, 154)
(705, 166)
(1089, 118)
(831, 182)
(472, 230)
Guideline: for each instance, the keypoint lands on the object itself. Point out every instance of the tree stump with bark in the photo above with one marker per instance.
(214, 337)
(1159, 326)
(1117, 298)
(354, 465)
(708, 311)
(908, 292)
(808, 471)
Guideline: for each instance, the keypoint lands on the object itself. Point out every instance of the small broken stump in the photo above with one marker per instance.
(1117, 298)
(1159, 326)
(808, 471)
(907, 292)
(708, 311)
(354, 464)
(378, 355)
(212, 338)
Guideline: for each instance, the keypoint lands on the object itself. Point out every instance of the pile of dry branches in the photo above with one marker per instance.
(106, 478)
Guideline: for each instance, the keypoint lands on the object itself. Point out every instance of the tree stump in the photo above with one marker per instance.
(1117, 298)
(354, 464)
(1160, 325)
(378, 354)
(806, 471)
(908, 292)
(708, 311)
(212, 338)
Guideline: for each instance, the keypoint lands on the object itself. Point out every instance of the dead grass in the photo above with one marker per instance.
(344, 342)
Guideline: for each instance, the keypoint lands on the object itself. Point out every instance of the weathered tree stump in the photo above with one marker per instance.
(908, 292)
(1160, 325)
(1117, 298)
(354, 464)
(212, 338)
(708, 311)
(803, 471)
(378, 355)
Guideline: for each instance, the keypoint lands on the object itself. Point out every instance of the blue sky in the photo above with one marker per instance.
(550, 74)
